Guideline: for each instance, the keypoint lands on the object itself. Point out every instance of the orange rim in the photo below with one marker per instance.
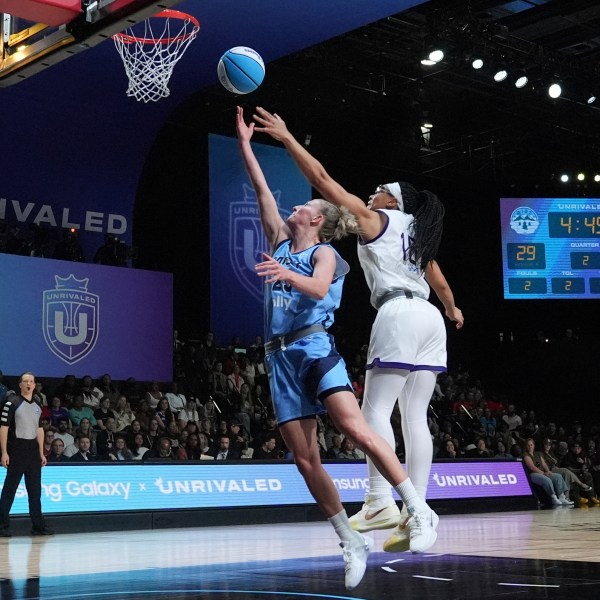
(165, 14)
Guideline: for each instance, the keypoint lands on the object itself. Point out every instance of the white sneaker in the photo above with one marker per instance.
(555, 501)
(376, 517)
(422, 530)
(399, 541)
(355, 557)
(565, 501)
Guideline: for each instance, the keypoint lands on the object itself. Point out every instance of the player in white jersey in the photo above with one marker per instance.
(303, 363)
(400, 232)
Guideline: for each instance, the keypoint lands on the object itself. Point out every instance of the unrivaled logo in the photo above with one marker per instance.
(71, 319)
(247, 241)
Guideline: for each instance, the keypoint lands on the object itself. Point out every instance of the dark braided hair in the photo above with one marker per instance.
(427, 226)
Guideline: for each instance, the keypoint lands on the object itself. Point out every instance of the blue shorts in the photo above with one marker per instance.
(303, 375)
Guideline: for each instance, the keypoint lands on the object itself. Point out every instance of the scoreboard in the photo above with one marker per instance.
(550, 248)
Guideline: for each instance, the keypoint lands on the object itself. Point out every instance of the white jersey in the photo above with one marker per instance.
(385, 260)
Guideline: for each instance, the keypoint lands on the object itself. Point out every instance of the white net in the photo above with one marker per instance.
(151, 53)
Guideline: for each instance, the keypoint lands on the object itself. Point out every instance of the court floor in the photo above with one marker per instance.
(537, 554)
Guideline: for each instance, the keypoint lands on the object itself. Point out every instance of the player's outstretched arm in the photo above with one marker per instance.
(315, 172)
(273, 225)
(435, 278)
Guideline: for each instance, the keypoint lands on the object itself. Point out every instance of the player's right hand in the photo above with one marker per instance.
(5, 460)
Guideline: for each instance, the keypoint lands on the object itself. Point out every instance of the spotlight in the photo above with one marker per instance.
(564, 178)
(591, 98)
(427, 125)
(554, 90)
(477, 63)
(580, 176)
(436, 55)
(597, 178)
(521, 80)
(501, 74)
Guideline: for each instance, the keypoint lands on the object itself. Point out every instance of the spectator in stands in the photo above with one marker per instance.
(224, 452)
(131, 390)
(164, 415)
(105, 440)
(103, 412)
(176, 399)
(501, 451)
(576, 461)
(245, 410)
(574, 484)
(63, 432)
(79, 411)
(91, 394)
(67, 390)
(69, 247)
(57, 452)
(108, 253)
(58, 412)
(152, 436)
(336, 447)
(83, 453)
(206, 427)
(123, 414)
(154, 395)
(218, 385)
(188, 413)
(174, 434)
(48, 439)
(349, 452)
(552, 483)
(131, 432)
(119, 451)
(238, 439)
(267, 450)
(511, 418)
(488, 422)
(448, 451)
(108, 388)
(234, 384)
(190, 450)
(162, 451)
(85, 428)
(138, 449)
(480, 450)
(39, 387)
(203, 442)
(144, 414)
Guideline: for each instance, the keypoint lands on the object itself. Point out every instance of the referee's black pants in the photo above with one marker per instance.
(24, 460)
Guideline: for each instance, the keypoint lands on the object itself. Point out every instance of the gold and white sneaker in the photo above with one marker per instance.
(399, 541)
(372, 516)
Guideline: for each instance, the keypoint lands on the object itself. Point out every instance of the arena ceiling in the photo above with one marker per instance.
(370, 84)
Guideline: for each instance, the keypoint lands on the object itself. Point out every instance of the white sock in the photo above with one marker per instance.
(410, 497)
(343, 528)
(421, 491)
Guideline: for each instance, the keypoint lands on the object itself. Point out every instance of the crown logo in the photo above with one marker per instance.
(71, 283)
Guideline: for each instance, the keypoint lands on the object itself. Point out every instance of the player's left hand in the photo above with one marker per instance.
(456, 315)
(44, 461)
(271, 270)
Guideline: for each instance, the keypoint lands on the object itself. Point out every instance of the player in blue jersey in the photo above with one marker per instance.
(400, 232)
(303, 281)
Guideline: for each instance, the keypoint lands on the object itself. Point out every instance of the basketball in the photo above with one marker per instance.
(241, 70)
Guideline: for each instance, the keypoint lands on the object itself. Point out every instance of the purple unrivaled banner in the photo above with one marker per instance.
(59, 317)
(69, 488)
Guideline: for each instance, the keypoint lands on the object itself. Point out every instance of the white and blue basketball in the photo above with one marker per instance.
(241, 70)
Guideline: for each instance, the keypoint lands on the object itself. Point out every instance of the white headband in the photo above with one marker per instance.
(394, 190)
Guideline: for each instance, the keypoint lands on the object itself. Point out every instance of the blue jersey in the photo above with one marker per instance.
(287, 309)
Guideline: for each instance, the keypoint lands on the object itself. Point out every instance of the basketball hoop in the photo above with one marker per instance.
(149, 59)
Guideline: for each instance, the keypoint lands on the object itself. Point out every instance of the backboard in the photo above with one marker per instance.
(37, 34)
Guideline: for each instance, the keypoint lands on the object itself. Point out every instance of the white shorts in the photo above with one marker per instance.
(408, 333)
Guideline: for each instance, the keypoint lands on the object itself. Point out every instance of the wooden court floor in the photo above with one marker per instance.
(537, 554)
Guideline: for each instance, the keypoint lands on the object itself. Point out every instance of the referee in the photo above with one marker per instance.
(22, 444)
